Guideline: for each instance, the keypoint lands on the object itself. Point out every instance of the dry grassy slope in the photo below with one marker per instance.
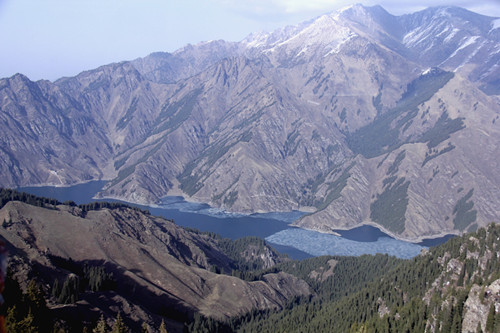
(155, 253)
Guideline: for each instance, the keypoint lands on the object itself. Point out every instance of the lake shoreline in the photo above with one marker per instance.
(361, 239)
(221, 213)
(334, 231)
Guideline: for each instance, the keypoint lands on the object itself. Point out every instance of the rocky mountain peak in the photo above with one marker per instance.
(361, 13)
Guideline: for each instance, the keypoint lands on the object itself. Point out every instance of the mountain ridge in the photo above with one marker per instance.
(159, 268)
(343, 124)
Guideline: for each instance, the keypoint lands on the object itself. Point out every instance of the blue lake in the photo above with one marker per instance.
(274, 227)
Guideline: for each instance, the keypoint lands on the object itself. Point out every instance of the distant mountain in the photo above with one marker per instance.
(357, 116)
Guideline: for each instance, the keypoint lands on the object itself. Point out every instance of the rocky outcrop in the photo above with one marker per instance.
(478, 305)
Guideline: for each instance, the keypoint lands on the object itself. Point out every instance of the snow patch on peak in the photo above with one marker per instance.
(428, 71)
(256, 39)
(467, 42)
(323, 31)
(451, 35)
(495, 24)
(432, 71)
(443, 12)
(335, 47)
(357, 13)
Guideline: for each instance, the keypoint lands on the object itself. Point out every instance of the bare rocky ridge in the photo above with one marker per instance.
(357, 116)
(476, 307)
(166, 266)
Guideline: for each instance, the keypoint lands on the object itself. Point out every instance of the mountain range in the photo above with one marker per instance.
(355, 117)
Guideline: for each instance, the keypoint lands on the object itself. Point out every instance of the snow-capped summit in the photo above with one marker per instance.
(448, 37)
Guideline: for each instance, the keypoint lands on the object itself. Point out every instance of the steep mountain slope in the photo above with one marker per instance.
(456, 40)
(160, 269)
(430, 157)
(357, 116)
(48, 137)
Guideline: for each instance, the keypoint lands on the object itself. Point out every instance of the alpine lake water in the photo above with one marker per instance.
(273, 227)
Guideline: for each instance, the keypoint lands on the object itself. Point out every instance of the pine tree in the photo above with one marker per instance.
(69, 290)
(11, 321)
(490, 321)
(163, 329)
(56, 289)
(27, 324)
(101, 326)
(144, 328)
(497, 322)
(119, 326)
(35, 296)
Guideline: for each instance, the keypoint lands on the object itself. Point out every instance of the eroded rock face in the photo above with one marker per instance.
(343, 116)
(478, 305)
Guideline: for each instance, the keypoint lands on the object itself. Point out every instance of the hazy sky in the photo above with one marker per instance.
(53, 38)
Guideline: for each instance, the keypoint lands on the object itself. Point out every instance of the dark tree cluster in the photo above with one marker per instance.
(7, 195)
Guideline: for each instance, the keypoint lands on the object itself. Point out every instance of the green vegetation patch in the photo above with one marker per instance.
(121, 162)
(348, 274)
(7, 195)
(128, 115)
(102, 82)
(390, 300)
(343, 115)
(397, 162)
(217, 197)
(335, 188)
(291, 143)
(250, 120)
(383, 134)
(173, 115)
(235, 249)
(435, 154)
(191, 181)
(389, 208)
(442, 130)
(464, 213)
(127, 171)
(231, 198)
